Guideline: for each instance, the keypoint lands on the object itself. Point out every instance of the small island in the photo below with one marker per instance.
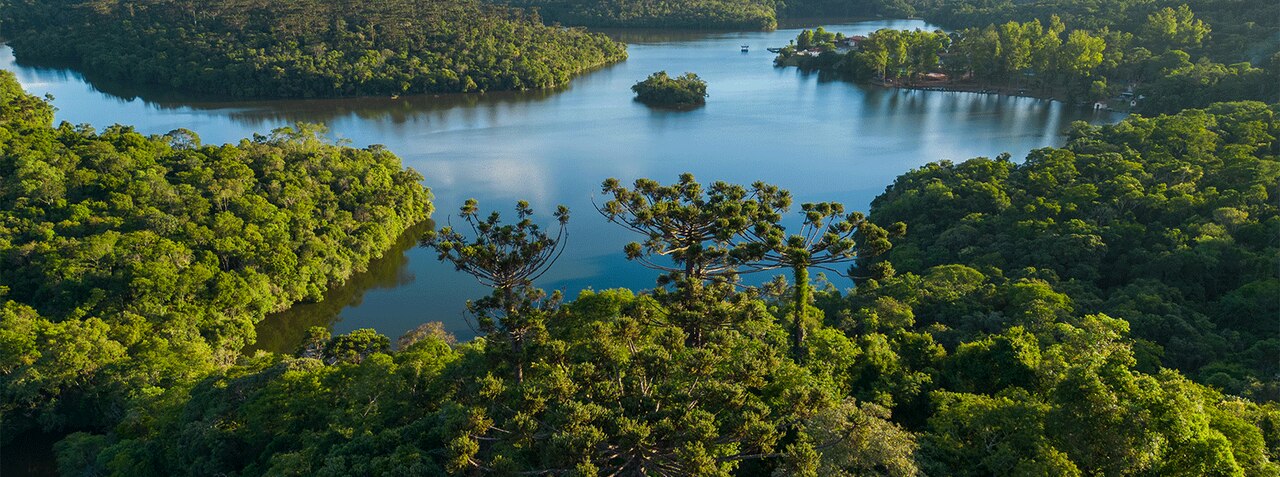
(661, 90)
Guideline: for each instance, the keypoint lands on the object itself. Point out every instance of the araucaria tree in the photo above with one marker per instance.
(508, 258)
(827, 236)
(698, 236)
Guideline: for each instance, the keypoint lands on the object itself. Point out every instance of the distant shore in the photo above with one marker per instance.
(965, 86)
(944, 83)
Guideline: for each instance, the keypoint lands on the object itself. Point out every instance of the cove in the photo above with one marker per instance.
(823, 140)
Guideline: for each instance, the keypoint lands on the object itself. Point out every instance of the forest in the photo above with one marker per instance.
(719, 14)
(305, 49)
(1243, 30)
(1152, 62)
(1139, 346)
(135, 265)
(1107, 307)
(1169, 222)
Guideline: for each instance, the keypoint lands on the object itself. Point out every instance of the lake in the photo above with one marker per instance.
(822, 140)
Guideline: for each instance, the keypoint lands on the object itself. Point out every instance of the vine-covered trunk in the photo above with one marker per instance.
(516, 334)
(802, 297)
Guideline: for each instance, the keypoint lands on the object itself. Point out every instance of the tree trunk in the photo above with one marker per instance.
(517, 336)
(803, 294)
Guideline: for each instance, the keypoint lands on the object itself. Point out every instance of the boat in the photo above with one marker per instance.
(745, 47)
(774, 50)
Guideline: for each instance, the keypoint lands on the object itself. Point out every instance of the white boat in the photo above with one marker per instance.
(745, 47)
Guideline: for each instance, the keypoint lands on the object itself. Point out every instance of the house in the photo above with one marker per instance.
(854, 42)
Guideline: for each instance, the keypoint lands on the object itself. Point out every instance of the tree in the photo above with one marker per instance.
(507, 258)
(805, 40)
(1169, 29)
(699, 231)
(859, 439)
(826, 237)
(1081, 54)
(982, 50)
(694, 235)
(354, 347)
(1044, 47)
(1015, 43)
(823, 39)
(878, 51)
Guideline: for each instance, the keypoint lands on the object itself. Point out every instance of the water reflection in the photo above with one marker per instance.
(281, 332)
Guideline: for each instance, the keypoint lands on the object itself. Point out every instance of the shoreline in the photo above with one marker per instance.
(952, 86)
(965, 87)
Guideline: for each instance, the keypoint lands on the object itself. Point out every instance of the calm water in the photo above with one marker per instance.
(822, 140)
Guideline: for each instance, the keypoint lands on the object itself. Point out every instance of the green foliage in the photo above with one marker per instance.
(1203, 83)
(826, 237)
(355, 346)
(894, 54)
(701, 231)
(662, 90)
(847, 9)
(1143, 60)
(1167, 222)
(133, 264)
(1174, 28)
(819, 38)
(1241, 31)
(1033, 321)
(314, 48)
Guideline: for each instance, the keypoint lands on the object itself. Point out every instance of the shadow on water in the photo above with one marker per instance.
(394, 110)
(257, 112)
(672, 108)
(640, 36)
(281, 332)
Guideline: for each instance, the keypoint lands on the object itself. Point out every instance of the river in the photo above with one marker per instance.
(822, 140)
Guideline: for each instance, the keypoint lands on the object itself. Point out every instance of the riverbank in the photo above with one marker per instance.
(834, 63)
(1118, 105)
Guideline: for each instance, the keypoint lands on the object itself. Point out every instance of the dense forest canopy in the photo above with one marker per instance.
(1104, 308)
(1168, 61)
(312, 48)
(705, 14)
(132, 264)
(728, 14)
(1181, 53)
(1242, 30)
(1170, 223)
(967, 348)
